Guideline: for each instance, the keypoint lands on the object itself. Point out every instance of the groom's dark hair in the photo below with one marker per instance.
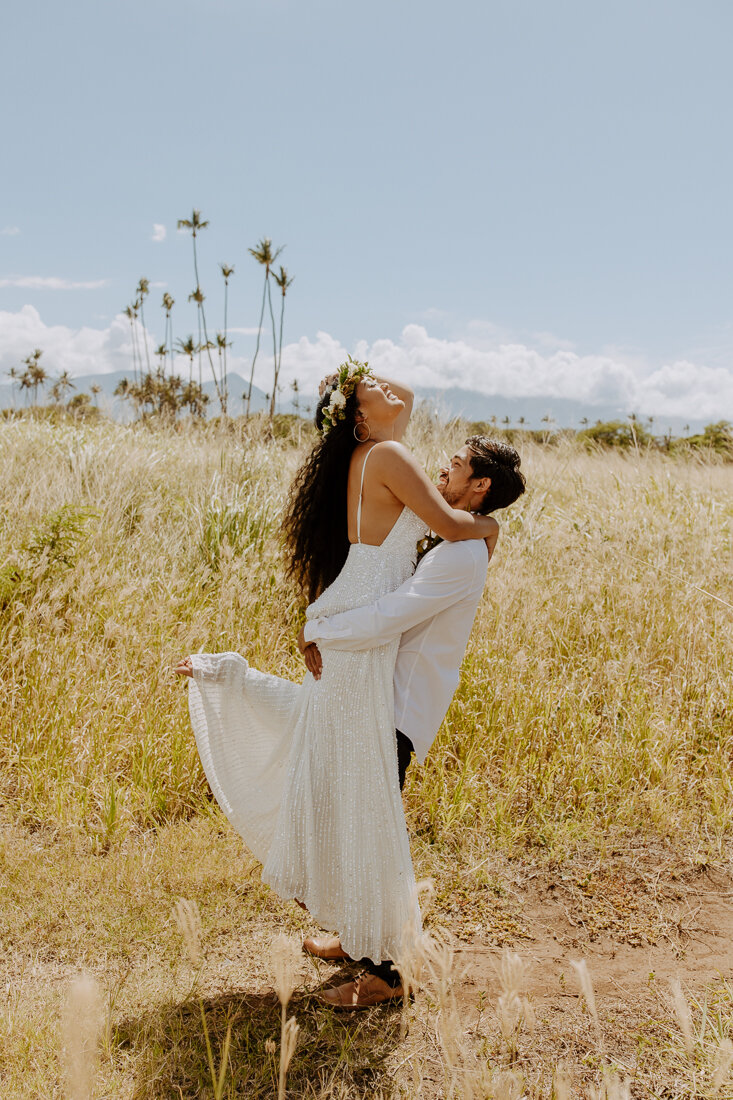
(495, 459)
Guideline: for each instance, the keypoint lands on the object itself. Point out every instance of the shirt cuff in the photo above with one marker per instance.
(310, 633)
(322, 633)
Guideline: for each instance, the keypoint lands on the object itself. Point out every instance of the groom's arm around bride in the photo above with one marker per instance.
(433, 611)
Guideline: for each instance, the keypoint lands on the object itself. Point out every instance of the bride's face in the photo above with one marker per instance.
(376, 401)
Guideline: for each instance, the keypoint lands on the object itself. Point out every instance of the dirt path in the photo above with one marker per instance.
(691, 939)
(635, 943)
(640, 917)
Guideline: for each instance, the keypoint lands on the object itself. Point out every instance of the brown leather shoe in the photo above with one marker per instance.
(329, 948)
(365, 992)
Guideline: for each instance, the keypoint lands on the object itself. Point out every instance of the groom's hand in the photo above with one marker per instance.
(311, 654)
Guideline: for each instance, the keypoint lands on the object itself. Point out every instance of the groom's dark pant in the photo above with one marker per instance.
(386, 970)
(405, 749)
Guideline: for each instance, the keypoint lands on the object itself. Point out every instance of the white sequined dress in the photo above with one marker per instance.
(307, 773)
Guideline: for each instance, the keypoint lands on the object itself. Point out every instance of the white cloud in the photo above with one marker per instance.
(516, 370)
(10, 231)
(159, 232)
(43, 282)
(680, 388)
(79, 351)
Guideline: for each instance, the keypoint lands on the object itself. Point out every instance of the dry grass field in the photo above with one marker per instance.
(576, 808)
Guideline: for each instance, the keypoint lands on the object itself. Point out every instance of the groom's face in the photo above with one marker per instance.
(455, 483)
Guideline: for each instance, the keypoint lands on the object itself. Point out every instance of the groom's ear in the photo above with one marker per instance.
(480, 487)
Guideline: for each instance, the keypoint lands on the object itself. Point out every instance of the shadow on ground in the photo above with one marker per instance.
(344, 1051)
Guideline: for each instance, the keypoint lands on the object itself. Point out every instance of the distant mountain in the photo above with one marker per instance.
(563, 412)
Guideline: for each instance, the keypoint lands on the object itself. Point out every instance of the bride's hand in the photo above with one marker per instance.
(311, 655)
(184, 667)
(327, 381)
(313, 660)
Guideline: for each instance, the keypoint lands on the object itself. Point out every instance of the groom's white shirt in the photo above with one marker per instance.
(432, 613)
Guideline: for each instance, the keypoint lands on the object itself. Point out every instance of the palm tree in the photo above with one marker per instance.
(206, 345)
(143, 288)
(198, 297)
(195, 399)
(96, 390)
(14, 376)
(135, 312)
(227, 272)
(168, 303)
(130, 391)
(34, 375)
(283, 282)
(131, 313)
(264, 255)
(161, 351)
(196, 223)
(506, 421)
(295, 387)
(521, 421)
(188, 348)
(64, 383)
(25, 383)
(221, 351)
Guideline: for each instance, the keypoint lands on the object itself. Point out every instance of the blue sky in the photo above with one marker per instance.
(464, 178)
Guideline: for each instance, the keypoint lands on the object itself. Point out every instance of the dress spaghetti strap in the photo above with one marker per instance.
(361, 490)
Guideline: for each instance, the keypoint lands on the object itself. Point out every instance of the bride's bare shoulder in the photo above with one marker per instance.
(391, 450)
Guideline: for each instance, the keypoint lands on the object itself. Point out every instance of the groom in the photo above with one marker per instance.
(432, 614)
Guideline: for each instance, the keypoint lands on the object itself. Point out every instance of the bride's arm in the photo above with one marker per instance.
(404, 477)
(405, 394)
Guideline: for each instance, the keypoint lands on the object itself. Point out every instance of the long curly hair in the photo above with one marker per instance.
(316, 521)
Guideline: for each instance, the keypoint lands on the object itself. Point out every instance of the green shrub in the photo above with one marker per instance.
(617, 433)
(714, 437)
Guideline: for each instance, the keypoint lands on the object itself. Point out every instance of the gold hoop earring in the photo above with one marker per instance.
(362, 424)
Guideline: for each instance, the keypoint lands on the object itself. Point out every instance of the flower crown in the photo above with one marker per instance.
(344, 383)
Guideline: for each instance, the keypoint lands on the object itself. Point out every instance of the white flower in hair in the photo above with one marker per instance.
(346, 380)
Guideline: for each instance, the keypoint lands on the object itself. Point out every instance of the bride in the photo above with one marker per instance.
(307, 773)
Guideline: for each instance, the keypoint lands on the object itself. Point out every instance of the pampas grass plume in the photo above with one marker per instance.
(188, 919)
(285, 962)
(83, 1020)
(684, 1018)
(586, 988)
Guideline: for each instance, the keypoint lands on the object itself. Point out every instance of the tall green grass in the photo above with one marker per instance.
(596, 691)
